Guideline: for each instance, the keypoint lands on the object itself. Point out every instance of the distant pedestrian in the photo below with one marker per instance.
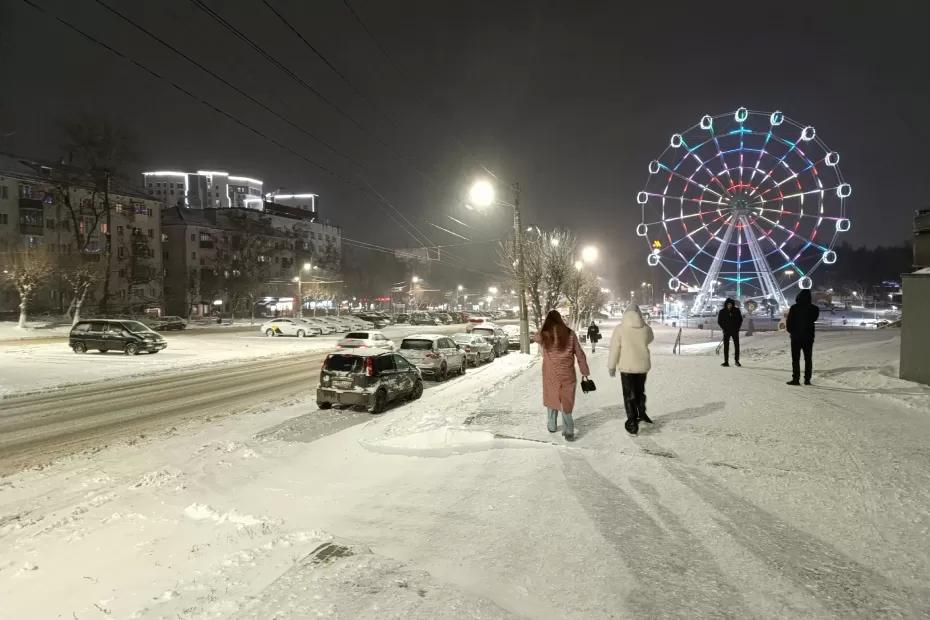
(594, 334)
(560, 349)
(730, 319)
(629, 353)
(800, 324)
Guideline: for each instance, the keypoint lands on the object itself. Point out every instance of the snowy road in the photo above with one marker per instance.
(746, 499)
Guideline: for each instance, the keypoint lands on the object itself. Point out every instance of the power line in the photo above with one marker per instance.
(220, 111)
(212, 73)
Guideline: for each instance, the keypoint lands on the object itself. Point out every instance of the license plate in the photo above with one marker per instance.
(342, 384)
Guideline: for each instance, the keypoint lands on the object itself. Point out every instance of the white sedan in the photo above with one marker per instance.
(369, 339)
(289, 327)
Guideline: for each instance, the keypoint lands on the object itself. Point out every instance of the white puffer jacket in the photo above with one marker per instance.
(629, 344)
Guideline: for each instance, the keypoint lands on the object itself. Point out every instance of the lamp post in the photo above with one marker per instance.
(309, 266)
(482, 195)
(458, 291)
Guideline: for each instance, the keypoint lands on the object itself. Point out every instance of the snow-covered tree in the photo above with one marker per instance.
(26, 271)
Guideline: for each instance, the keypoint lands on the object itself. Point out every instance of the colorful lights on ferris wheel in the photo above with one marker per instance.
(701, 203)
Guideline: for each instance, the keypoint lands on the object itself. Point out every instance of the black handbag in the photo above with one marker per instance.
(587, 385)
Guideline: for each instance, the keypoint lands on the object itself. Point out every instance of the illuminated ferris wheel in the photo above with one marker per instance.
(750, 202)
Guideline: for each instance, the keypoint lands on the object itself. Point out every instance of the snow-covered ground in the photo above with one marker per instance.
(35, 366)
(747, 498)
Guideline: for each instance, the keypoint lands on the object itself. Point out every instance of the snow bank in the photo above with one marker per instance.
(433, 426)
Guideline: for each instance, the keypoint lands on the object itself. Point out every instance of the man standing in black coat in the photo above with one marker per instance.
(730, 319)
(800, 324)
(594, 334)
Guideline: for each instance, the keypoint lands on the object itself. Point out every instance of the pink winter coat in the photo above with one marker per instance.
(558, 370)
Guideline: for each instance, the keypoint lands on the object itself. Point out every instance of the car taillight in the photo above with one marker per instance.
(467, 349)
(369, 367)
(326, 359)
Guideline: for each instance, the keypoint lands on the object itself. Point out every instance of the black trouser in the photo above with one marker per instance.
(726, 347)
(797, 346)
(634, 394)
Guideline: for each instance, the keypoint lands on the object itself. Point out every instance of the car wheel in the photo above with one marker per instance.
(378, 402)
(301, 333)
(131, 349)
(493, 355)
(79, 347)
(464, 364)
(417, 390)
(443, 373)
(323, 405)
(269, 333)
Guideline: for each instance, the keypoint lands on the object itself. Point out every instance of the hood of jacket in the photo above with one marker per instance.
(729, 301)
(633, 317)
(804, 296)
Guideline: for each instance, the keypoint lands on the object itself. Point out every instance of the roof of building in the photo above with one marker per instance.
(225, 218)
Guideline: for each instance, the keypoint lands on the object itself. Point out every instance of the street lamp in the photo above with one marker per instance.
(492, 290)
(482, 194)
(589, 254)
(308, 266)
(579, 265)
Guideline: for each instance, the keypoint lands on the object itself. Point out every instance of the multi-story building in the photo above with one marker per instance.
(72, 214)
(204, 189)
(242, 259)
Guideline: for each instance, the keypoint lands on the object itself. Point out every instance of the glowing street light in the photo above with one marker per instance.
(492, 290)
(589, 254)
(414, 279)
(579, 265)
(481, 194)
(308, 266)
(460, 288)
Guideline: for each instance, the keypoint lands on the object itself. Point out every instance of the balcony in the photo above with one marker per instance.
(31, 203)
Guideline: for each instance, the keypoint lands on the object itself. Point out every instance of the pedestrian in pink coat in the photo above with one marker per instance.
(560, 348)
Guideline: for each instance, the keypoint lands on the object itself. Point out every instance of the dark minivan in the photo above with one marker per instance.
(130, 337)
(370, 378)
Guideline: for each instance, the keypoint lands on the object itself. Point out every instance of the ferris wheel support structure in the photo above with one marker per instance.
(770, 288)
(708, 286)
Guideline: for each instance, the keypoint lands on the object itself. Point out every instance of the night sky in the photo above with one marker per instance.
(572, 99)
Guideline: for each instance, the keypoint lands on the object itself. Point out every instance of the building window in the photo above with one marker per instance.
(4, 192)
(193, 255)
(119, 230)
(193, 237)
(121, 252)
(25, 190)
(4, 218)
(151, 233)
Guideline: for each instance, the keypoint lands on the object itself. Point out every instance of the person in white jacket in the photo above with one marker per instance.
(629, 353)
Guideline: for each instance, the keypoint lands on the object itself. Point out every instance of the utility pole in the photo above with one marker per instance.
(521, 272)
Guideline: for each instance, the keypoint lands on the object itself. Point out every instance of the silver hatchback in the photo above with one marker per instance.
(435, 355)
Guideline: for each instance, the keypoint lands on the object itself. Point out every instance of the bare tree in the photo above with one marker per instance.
(27, 271)
(81, 279)
(560, 248)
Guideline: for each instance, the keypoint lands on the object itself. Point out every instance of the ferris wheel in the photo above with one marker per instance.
(746, 202)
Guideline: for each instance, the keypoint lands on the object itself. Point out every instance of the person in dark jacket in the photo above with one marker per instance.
(730, 319)
(594, 334)
(800, 324)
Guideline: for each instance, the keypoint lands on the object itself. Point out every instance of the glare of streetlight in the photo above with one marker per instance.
(460, 287)
(308, 266)
(578, 265)
(554, 242)
(296, 278)
(414, 279)
(589, 254)
(513, 292)
(492, 290)
(481, 194)
(789, 272)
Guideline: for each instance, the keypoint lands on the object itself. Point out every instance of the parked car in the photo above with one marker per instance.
(320, 326)
(513, 336)
(370, 378)
(371, 339)
(434, 355)
(423, 318)
(494, 335)
(477, 319)
(339, 325)
(358, 323)
(444, 317)
(164, 323)
(288, 327)
(477, 349)
(375, 320)
(401, 318)
(130, 337)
